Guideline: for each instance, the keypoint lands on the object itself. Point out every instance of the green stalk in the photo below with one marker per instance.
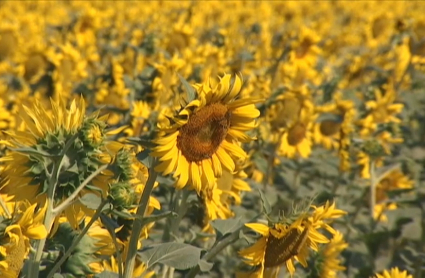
(181, 211)
(34, 264)
(138, 223)
(78, 239)
(373, 184)
(58, 210)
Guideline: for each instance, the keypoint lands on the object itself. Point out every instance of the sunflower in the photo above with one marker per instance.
(25, 224)
(394, 273)
(225, 192)
(382, 110)
(330, 264)
(9, 40)
(139, 115)
(298, 138)
(286, 243)
(203, 137)
(393, 181)
(374, 149)
(106, 249)
(329, 132)
(28, 164)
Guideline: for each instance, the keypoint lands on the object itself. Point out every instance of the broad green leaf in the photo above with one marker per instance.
(227, 226)
(124, 214)
(91, 201)
(177, 255)
(205, 266)
(145, 158)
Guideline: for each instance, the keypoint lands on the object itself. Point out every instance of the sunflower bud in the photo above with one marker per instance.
(93, 132)
(121, 195)
(122, 165)
(373, 148)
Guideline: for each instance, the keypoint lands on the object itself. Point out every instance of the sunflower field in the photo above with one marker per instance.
(212, 139)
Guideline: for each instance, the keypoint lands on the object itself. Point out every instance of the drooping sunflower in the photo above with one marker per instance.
(394, 273)
(384, 109)
(29, 163)
(203, 137)
(330, 263)
(224, 193)
(283, 244)
(16, 232)
(393, 181)
(374, 149)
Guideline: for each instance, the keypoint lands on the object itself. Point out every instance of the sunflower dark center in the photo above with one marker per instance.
(296, 134)
(329, 128)
(279, 250)
(200, 138)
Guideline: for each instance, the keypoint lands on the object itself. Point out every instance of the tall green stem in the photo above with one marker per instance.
(138, 223)
(372, 188)
(34, 265)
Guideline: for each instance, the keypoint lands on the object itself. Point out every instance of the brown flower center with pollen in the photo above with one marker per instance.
(200, 138)
(15, 258)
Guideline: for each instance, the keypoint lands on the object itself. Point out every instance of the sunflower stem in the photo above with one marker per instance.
(77, 239)
(34, 264)
(373, 183)
(58, 210)
(138, 223)
(181, 211)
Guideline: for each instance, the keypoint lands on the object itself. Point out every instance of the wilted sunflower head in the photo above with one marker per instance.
(203, 137)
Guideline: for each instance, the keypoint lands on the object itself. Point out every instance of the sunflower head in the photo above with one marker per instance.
(58, 139)
(283, 243)
(203, 137)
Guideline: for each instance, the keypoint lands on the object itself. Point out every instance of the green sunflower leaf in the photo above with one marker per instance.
(91, 201)
(124, 215)
(205, 266)
(190, 91)
(145, 158)
(227, 226)
(177, 255)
